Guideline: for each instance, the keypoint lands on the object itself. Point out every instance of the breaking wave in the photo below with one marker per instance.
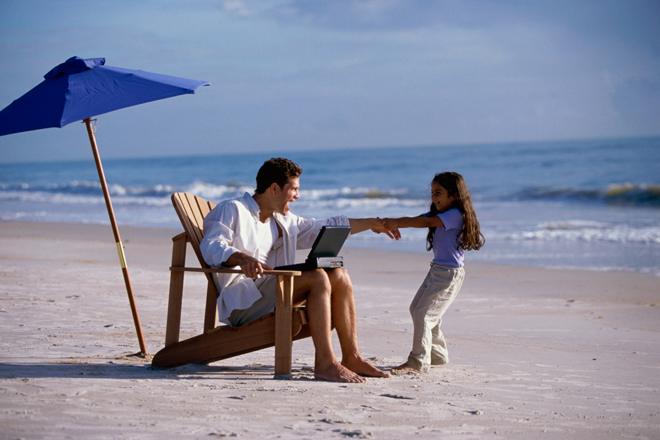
(86, 192)
(626, 194)
(590, 231)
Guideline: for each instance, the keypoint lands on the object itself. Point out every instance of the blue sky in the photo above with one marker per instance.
(294, 75)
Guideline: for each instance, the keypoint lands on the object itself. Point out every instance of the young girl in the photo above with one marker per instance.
(453, 229)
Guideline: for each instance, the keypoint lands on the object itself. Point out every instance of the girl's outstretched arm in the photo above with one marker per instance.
(412, 222)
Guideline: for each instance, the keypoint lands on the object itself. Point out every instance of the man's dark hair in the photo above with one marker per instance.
(276, 170)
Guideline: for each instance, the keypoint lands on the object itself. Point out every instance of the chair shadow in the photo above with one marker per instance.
(77, 369)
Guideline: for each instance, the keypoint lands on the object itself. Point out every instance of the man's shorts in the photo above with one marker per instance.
(261, 307)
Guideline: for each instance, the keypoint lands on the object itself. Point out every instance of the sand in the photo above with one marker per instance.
(534, 353)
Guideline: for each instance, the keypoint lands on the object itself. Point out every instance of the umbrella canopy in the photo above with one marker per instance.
(81, 88)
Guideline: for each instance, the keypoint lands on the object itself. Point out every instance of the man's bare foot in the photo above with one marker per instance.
(337, 373)
(363, 368)
(405, 368)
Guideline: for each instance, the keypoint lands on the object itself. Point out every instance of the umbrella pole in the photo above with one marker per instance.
(115, 230)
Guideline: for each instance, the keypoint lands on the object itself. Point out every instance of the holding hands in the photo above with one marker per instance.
(387, 226)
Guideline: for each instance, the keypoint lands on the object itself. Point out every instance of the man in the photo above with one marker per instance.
(257, 232)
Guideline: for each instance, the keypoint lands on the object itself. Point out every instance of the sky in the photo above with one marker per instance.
(290, 75)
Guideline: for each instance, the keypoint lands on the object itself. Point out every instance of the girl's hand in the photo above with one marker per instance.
(389, 224)
(394, 233)
(382, 229)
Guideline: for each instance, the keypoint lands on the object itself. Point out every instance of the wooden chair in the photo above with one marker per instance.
(277, 329)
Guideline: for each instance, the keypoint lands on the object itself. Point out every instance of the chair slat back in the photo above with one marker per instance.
(191, 211)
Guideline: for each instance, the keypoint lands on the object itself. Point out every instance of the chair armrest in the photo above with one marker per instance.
(294, 273)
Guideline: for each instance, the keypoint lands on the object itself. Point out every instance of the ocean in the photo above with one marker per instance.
(587, 204)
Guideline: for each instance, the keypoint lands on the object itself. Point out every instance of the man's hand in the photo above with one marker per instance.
(250, 266)
(386, 226)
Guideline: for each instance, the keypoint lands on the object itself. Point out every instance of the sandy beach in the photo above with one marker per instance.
(534, 353)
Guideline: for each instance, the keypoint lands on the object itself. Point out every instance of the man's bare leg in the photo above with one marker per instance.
(314, 286)
(345, 321)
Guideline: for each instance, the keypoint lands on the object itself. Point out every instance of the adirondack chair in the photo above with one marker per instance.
(277, 329)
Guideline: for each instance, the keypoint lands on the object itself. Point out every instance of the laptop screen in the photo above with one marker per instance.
(329, 241)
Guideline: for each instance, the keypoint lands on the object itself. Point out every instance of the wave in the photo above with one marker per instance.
(361, 201)
(587, 232)
(626, 194)
(89, 192)
(75, 192)
(86, 188)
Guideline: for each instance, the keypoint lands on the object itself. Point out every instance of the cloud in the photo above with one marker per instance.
(379, 15)
(239, 9)
(316, 74)
(357, 14)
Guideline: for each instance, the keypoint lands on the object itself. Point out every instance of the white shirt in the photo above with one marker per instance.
(232, 227)
(266, 236)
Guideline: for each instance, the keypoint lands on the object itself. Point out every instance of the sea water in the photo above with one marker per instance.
(589, 204)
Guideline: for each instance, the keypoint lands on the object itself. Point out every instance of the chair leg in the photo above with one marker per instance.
(283, 317)
(211, 311)
(176, 290)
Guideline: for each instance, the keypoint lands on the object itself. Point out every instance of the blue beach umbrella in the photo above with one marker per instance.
(78, 90)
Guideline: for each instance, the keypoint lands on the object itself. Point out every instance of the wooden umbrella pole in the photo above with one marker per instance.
(115, 230)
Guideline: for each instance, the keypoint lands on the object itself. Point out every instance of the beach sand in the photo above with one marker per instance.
(534, 353)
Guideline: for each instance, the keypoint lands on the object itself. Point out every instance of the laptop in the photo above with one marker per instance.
(324, 250)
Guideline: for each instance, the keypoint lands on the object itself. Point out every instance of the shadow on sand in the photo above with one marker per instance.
(81, 369)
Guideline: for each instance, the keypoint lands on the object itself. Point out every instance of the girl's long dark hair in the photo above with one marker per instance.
(470, 236)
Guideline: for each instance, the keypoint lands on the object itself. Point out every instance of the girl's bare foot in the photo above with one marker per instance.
(405, 368)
